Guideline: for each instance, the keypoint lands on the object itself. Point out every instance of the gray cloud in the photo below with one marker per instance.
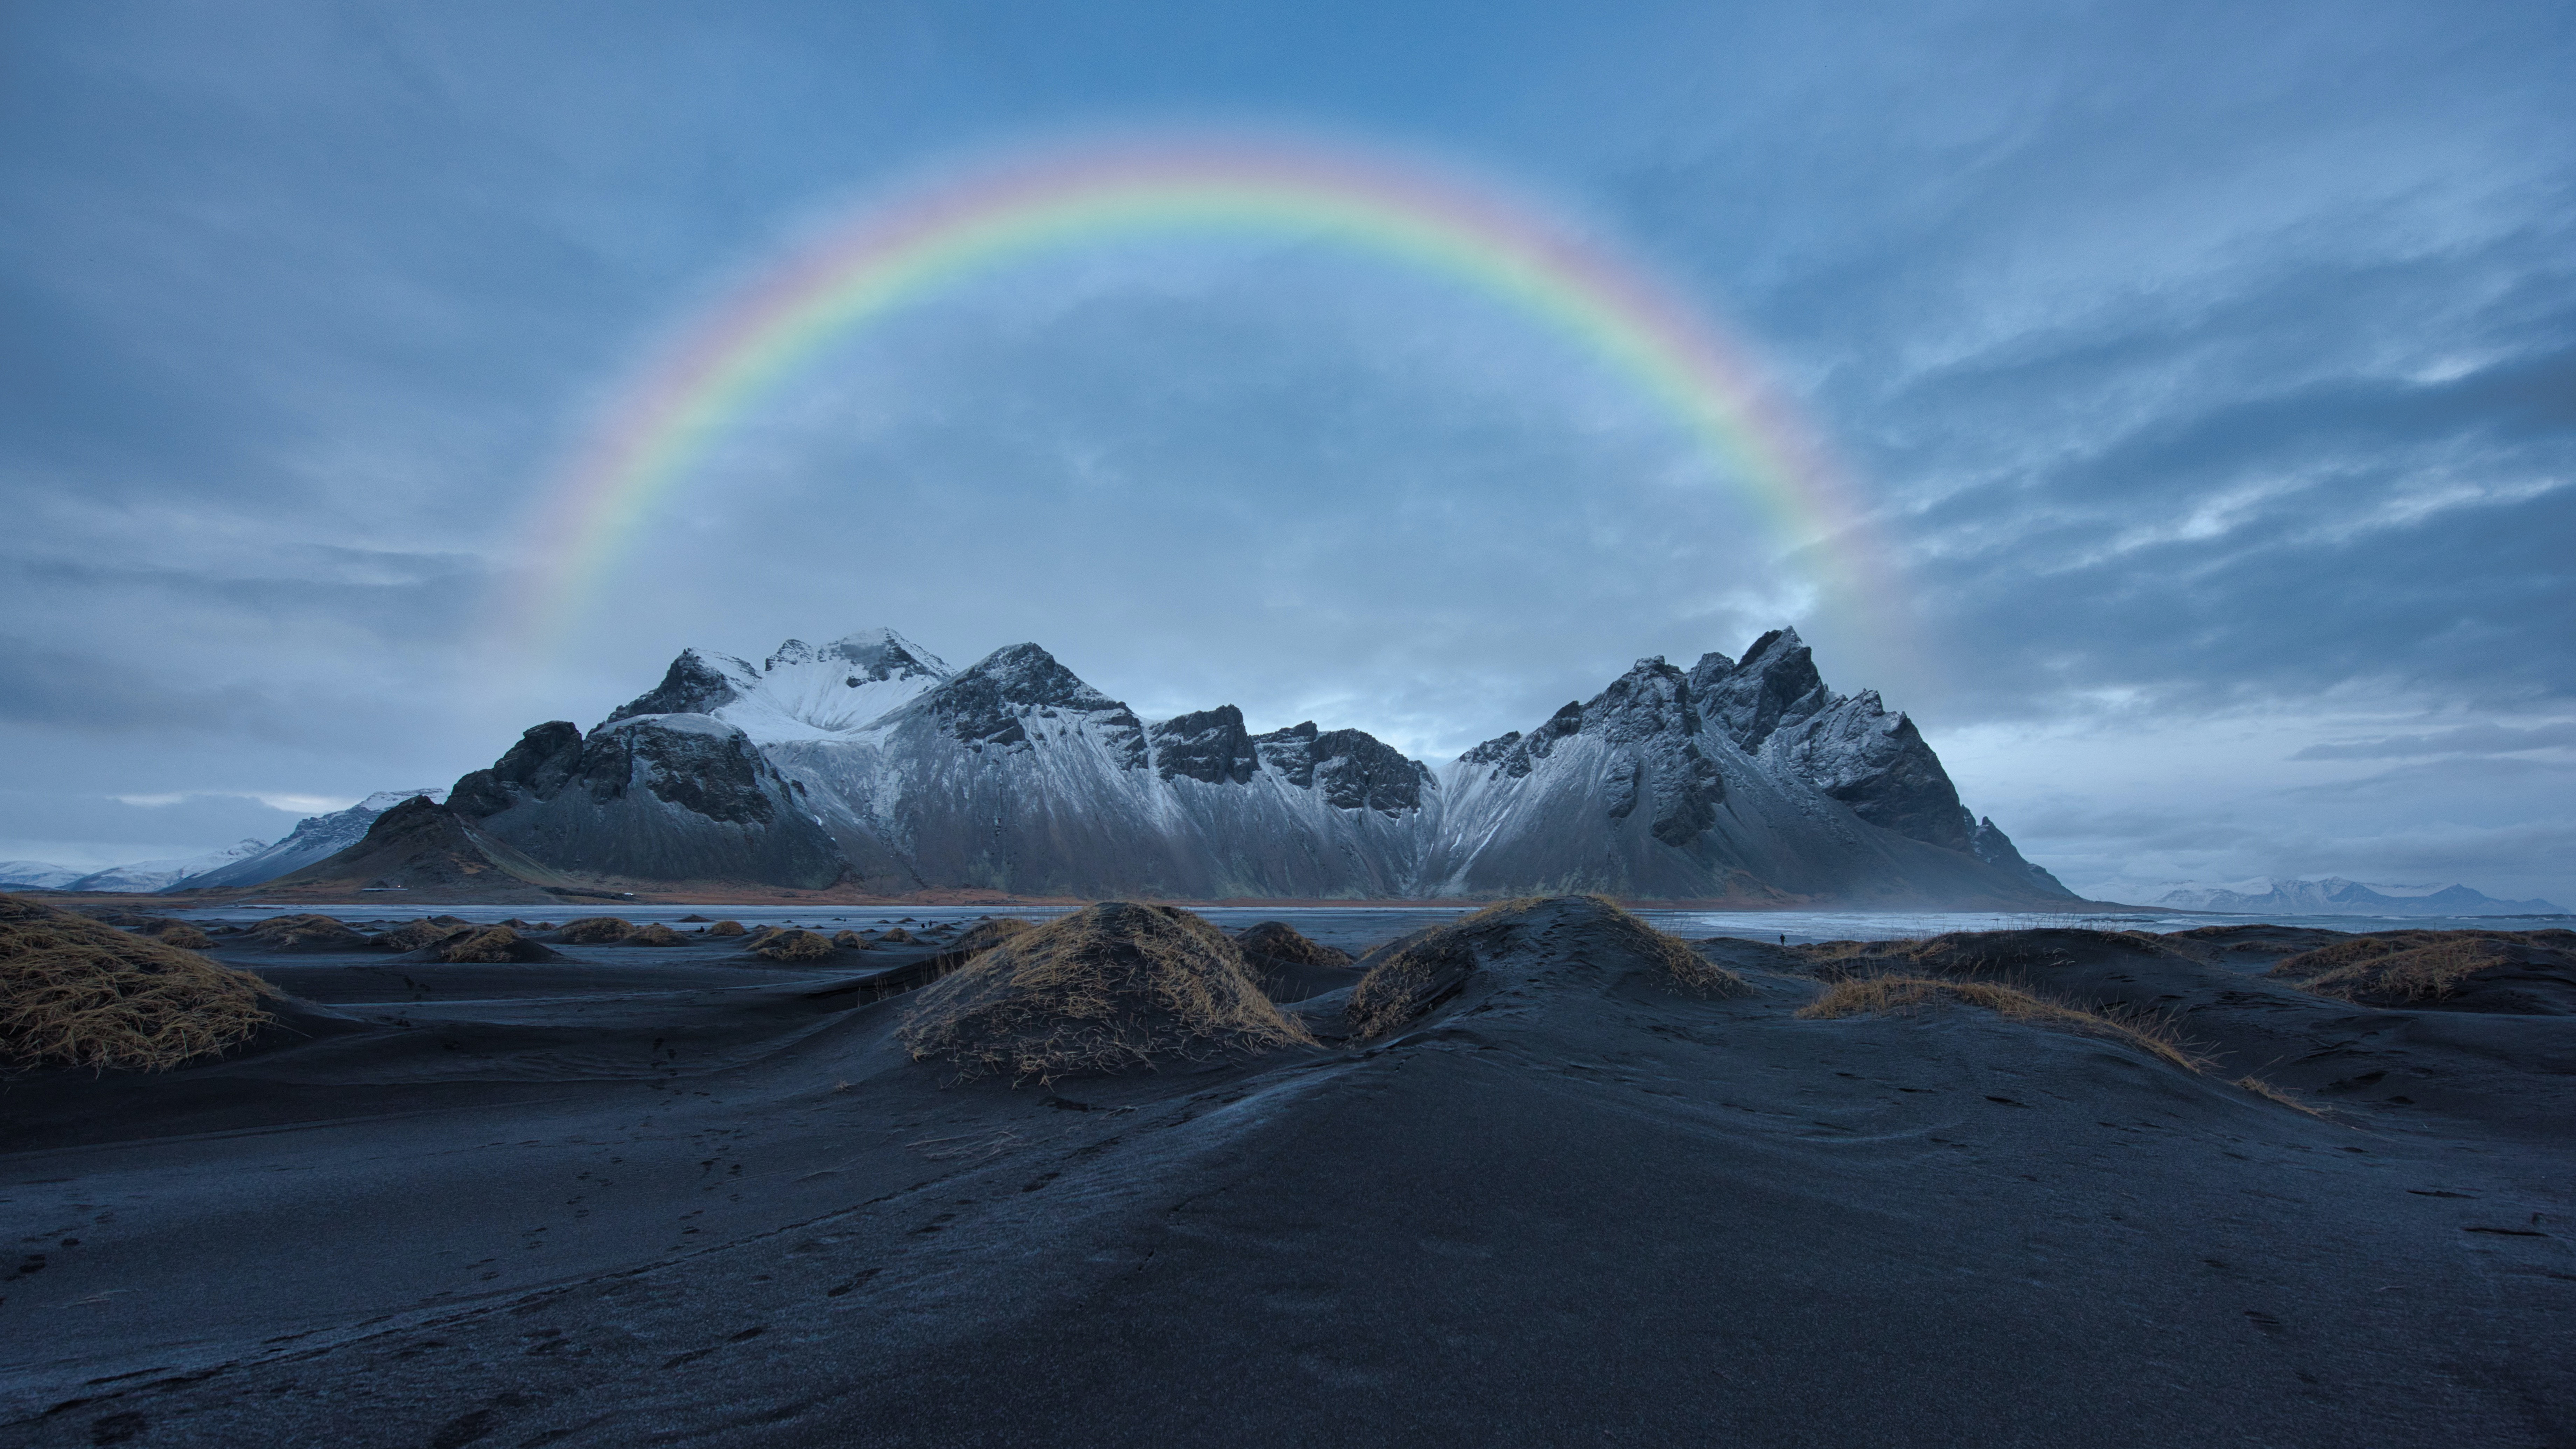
(2206, 365)
(2473, 739)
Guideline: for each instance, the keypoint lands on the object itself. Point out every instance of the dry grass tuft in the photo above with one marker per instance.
(849, 940)
(178, 934)
(305, 932)
(592, 930)
(1279, 941)
(656, 934)
(2270, 1093)
(489, 946)
(1957, 953)
(75, 993)
(2403, 966)
(1420, 975)
(1877, 995)
(1688, 969)
(985, 935)
(727, 928)
(414, 935)
(1113, 987)
(793, 946)
(895, 936)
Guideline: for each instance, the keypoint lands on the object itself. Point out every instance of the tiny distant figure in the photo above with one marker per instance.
(1784, 940)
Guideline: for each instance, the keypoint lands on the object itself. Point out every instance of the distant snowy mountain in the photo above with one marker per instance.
(145, 876)
(314, 838)
(869, 760)
(36, 875)
(2336, 896)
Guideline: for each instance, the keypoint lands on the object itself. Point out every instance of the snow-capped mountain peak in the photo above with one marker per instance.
(801, 691)
(870, 654)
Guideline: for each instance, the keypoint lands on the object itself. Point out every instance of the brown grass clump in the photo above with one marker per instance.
(1110, 988)
(2400, 967)
(1875, 995)
(1283, 942)
(168, 930)
(413, 935)
(1957, 953)
(593, 930)
(1411, 980)
(985, 935)
(305, 932)
(849, 940)
(897, 936)
(1689, 970)
(75, 993)
(656, 934)
(793, 946)
(485, 947)
(178, 934)
(727, 928)
(1421, 974)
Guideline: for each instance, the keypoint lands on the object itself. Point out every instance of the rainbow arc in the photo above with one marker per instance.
(884, 257)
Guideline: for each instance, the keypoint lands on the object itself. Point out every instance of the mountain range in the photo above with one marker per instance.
(2336, 896)
(869, 764)
(314, 838)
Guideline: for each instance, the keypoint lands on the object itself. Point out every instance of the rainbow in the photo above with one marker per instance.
(884, 256)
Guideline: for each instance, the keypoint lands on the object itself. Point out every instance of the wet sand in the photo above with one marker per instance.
(648, 1195)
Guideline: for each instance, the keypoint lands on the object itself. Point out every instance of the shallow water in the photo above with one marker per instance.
(1357, 927)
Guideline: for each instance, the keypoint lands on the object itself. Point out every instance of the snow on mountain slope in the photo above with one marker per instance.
(1749, 781)
(1648, 790)
(145, 876)
(1016, 775)
(314, 838)
(2335, 895)
(36, 875)
(800, 692)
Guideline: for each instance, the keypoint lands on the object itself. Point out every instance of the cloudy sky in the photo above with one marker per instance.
(2207, 375)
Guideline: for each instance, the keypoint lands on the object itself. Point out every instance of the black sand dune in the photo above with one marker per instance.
(670, 1196)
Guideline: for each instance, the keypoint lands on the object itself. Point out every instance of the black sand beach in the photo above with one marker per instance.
(674, 1195)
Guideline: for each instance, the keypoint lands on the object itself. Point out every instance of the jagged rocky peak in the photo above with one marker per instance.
(681, 796)
(1775, 685)
(1357, 770)
(1353, 769)
(544, 760)
(1652, 698)
(801, 691)
(1651, 726)
(693, 684)
(1209, 745)
(994, 700)
(1878, 764)
(692, 760)
(1495, 750)
(870, 654)
(1995, 848)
